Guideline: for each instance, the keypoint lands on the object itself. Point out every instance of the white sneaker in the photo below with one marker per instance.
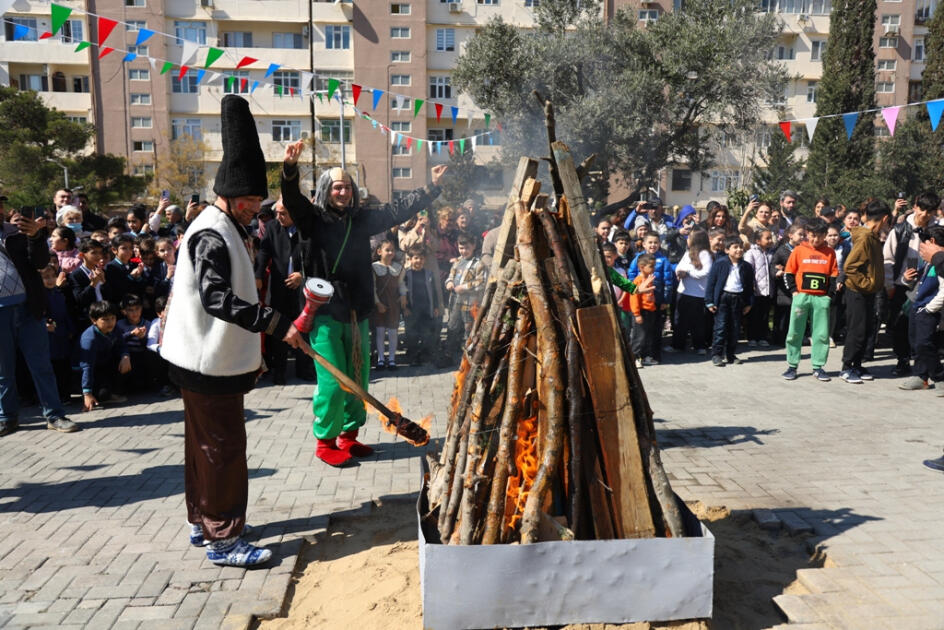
(638, 364)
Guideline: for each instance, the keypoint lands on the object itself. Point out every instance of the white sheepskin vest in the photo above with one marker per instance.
(194, 339)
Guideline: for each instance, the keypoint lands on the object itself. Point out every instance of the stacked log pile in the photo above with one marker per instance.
(550, 435)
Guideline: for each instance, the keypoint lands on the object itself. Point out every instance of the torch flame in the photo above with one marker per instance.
(460, 382)
(526, 464)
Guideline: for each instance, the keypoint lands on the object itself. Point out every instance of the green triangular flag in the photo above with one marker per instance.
(332, 86)
(488, 119)
(320, 98)
(82, 46)
(417, 103)
(229, 83)
(59, 16)
(278, 90)
(461, 145)
(419, 144)
(167, 66)
(212, 55)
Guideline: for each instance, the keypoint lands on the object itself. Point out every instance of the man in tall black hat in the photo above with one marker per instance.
(211, 341)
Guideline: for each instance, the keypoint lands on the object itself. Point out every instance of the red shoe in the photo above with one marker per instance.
(328, 452)
(348, 442)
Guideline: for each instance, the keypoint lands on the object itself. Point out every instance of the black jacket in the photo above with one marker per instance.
(343, 247)
(83, 294)
(275, 250)
(29, 255)
(780, 257)
(718, 275)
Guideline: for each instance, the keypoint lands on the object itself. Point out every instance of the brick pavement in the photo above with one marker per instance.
(93, 531)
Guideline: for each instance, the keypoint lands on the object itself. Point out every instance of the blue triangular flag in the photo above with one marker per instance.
(399, 138)
(373, 123)
(143, 35)
(849, 120)
(935, 108)
(455, 113)
(19, 31)
(130, 57)
(377, 95)
(200, 74)
(272, 68)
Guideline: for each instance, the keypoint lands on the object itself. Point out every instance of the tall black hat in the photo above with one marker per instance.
(242, 171)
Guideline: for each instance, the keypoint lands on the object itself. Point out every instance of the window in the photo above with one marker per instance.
(531, 3)
(399, 79)
(29, 23)
(919, 50)
(681, 179)
(400, 8)
(331, 131)
(286, 130)
(140, 99)
(135, 25)
(885, 87)
(915, 91)
(403, 126)
(817, 49)
(400, 56)
(135, 3)
(440, 87)
(401, 149)
(881, 131)
(891, 22)
(811, 91)
(488, 1)
(888, 42)
(439, 135)
(398, 103)
(400, 32)
(141, 122)
(143, 169)
(821, 7)
(924, 9)
(71, 32)
(445, 39)
(337, 37)
(493, 139)
(141, 51)
(402, 172)
(146, 146)
(887, 64)
(238, 40)
(763, 138)
(82, 120)
(785, 52)
(191, 31)
(80, 84)
(185, 85)
(135, 74)
(345, 77)
(287, 40)
(722, 181)
(648, 15)
(236, 87)
(180, 127)
(287, 79)
(34, 82)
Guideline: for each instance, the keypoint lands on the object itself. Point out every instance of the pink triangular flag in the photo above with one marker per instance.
(890, 114)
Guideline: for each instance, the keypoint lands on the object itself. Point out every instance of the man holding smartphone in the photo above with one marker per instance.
(902, 270)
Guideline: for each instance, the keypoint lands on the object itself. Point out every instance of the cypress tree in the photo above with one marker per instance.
(778, 168)
(932, 79)
(841, 168)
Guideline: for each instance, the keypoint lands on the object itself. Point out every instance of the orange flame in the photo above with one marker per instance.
(526, 464)
(460, 382)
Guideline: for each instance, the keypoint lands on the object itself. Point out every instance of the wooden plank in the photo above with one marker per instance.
(580, 221)
(615, 423)
(507, 233)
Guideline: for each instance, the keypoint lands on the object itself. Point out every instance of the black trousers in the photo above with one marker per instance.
(758, 319)
(421, 336)
(691, 318)
(897, 324)
(860, 327)
(727, 325)
(922, 329)
(781, 323)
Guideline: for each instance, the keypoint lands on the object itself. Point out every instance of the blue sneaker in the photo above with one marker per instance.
(790, 374)
(238, 553)
(821, 375)
(197, 539)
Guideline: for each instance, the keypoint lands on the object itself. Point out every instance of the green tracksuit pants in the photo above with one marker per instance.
(805, 304)
(337, 411)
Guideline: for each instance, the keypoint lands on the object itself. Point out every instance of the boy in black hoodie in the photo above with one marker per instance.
(729, 294)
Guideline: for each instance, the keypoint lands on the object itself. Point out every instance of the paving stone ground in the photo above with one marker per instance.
(93, 532)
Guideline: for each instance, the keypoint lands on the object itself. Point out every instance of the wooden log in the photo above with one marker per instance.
(505, 247)
(551, 374)
(616, 425)
(509, 427)
(550, 126)
(550, 529)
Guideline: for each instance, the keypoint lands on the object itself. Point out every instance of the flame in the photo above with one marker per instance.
(475, 312)
(460, 382)
(427, 423)
(526, 464)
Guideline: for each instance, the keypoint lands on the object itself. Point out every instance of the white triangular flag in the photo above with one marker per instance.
(190, 51)
(393, 138)
(306, 81)
(153, 62)
(810, 127)
(430, 145)
(401, 101)
(475, 141)
(213, 77)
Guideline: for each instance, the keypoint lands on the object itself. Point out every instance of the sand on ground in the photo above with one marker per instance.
(365, 574)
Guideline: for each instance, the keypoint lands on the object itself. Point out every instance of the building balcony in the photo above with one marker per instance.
(289, 58)
(248, 10)
(207, 101)
(332, 12)
(73, 103)
(51, 51)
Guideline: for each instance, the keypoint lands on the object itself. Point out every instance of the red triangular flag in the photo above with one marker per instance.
(785, 128)
(291, 91)
(183, 71)
(45, 35)
(105, 27)
(243, 84)
(409, 142)
(452, 147)
(356, 92)
(438, 107)
(104, 51)
(245, 61)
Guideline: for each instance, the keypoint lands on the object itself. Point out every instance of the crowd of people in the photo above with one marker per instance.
(777, 277)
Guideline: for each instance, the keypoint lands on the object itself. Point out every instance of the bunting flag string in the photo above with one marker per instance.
(890, 115)
(105, 27)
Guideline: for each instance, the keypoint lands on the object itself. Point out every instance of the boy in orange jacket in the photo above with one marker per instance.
(646, 326)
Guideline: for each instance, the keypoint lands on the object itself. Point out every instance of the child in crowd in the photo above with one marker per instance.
(795, 235)
(102, 356)
(465, 284)
(624, 312)
(624, 252)
(144, 249)
(865, 276)
(164, 274)
(810, 275)
(154, 338)
(88, 281)
(837, 312)
(61, 329)
(62, 244)
(423, 312)
(116, 227)
(692, 272)
(924, 322)
(646, 331)
(134, 331)
(716, 236)
(389, 298)
(663, 280)
(121, 275)
(759, 256)
(729, 293)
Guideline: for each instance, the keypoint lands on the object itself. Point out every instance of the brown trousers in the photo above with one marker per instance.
(216, 477)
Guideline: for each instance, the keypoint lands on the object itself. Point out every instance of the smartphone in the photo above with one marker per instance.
(311, 193)
(755, 197)
(165, 194)
(195, 198)
(28, 212)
